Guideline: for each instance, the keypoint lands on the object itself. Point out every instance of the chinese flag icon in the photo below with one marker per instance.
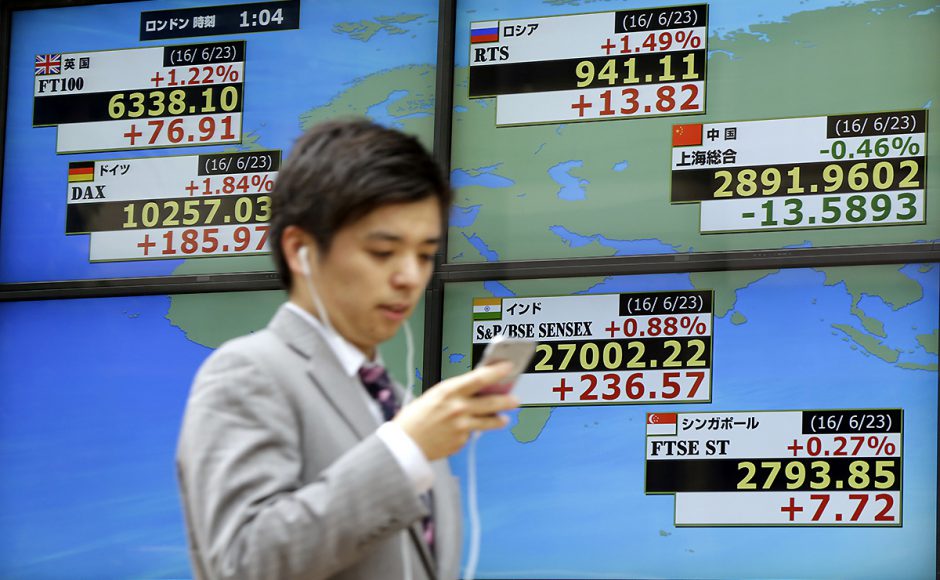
(686, 135)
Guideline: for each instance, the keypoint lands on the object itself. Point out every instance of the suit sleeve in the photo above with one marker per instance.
(249, 515)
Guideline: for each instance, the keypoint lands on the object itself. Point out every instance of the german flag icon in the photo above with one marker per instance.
(81, 171)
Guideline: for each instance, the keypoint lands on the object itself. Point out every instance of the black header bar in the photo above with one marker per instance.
(853, 421)
(701, 184)
(677, 302)
(823, 474)
(873, 124)
(177, 212)
(205, 53)
(91, 107)
(215, 20)
(637, 354)
(650, 19)
(249, 162)
(562, 75)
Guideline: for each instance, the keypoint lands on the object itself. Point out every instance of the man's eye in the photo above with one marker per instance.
(381, 254)
(427, 257)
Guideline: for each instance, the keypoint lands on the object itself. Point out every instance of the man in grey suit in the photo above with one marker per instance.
(287, 465)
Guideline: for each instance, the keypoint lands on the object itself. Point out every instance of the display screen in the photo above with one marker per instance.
(90, 410)
(135, 148)
(751, 424)
(665, 128)
(743, 424)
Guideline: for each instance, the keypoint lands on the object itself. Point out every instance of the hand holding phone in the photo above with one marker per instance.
(515, 350)
(441, 420)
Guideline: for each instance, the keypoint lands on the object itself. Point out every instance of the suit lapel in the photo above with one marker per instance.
(325, 371)
(427, 559)
(446, 509)
(328, 376)
(416, 531)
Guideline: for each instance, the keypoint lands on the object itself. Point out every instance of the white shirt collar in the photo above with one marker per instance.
(350, 357)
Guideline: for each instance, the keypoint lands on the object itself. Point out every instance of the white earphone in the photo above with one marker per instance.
(302, 254)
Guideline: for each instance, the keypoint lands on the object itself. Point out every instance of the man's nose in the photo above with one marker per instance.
(409, 272)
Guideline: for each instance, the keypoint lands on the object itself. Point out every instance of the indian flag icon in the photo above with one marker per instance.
(487, 308)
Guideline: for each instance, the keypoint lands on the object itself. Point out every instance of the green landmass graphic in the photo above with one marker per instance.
(726, 286)
(808, 53)
(869, 343)
(417, 80)
(226, 265)
(888, 283)
(477, 171)
(250, 142)
(929, 341)
(364, 30)
(738, 319)
(530, 423)
(872, 325)
(211, 319)
(918, 367)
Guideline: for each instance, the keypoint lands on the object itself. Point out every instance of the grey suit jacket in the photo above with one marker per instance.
(282, 476)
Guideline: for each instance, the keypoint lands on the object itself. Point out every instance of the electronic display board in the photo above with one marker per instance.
(135, 148)
(726, 424)
(93, 392)
(625, 129)
(746, 424)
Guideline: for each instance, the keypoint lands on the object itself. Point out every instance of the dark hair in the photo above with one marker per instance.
(339, 171)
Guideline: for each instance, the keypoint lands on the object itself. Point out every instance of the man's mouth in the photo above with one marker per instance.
(395, 311)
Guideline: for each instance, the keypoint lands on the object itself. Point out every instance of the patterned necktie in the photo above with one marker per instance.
(379, 385)
(427, 524)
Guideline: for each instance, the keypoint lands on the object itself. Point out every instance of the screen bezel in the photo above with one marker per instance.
(444, 272)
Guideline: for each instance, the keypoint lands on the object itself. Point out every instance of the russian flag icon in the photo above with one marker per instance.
(484, 32)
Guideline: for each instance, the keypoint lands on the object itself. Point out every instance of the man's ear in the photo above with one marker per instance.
(298, 248)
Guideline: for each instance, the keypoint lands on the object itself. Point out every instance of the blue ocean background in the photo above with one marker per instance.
(92, 398)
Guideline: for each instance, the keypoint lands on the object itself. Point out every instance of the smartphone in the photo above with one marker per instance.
(518, 351)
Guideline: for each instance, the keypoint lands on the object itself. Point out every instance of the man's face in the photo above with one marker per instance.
(376, 270)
